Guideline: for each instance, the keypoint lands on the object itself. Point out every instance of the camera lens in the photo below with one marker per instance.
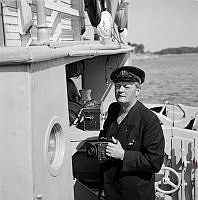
(92, 151)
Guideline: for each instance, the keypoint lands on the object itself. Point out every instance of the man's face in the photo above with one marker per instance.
(126, 92)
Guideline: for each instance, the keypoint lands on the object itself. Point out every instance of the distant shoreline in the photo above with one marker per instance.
(139, 56)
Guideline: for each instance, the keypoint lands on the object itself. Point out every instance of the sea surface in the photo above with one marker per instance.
(172, 78)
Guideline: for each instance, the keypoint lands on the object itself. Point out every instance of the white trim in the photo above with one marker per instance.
(65, 26)
(12, 28)
(13, 36)
(53, 17)
(10, 20)
(57, 33)
(9, 11)
(66, 1)
(61, 7)
(13, 43)
(66, 21)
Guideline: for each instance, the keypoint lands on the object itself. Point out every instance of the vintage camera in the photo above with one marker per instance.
(97, 149)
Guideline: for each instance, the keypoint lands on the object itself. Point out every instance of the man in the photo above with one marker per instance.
(138, 148)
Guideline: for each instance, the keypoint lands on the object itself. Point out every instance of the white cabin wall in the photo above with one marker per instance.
(49, 108)
(15, 146)
(33, 97)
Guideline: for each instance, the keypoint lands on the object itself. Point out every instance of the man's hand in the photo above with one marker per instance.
(115, 149)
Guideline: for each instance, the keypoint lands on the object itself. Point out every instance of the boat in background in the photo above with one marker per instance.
(176, 115)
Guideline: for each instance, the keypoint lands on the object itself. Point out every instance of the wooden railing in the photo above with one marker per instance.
(62, 20)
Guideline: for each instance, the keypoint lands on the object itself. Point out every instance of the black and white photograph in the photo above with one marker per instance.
(99, 99)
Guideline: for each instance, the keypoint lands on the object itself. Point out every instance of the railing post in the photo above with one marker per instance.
(196, 167)
(42, 29)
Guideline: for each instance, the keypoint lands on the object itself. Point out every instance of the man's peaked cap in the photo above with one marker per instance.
(128, 74)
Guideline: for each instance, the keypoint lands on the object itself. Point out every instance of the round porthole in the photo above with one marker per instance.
(54, 146)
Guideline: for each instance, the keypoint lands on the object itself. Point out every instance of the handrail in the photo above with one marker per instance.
(60, 7)
(14, 55)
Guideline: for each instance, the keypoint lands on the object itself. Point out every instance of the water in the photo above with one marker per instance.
(172, 78)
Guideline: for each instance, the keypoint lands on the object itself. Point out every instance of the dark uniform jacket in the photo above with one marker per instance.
(141, 136)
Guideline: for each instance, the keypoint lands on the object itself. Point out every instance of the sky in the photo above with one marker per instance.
(160, 24)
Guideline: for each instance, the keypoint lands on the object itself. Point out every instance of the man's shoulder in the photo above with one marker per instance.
(114, 105)
(146, 112)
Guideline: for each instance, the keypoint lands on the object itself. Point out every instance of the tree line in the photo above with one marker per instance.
(139, 48)
(178, 50)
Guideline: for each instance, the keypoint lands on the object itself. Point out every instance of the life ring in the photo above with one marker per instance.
(104, 28)
(99, 17)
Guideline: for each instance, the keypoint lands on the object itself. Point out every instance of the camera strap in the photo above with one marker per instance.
(113, 130)
(101, 181)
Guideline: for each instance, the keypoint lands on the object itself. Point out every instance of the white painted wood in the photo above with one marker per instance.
(34, 23)
(8, 11)
(65, 26)
(24, 169)
(48, 19)
(66, 21)
(61, 7)
(24, 16)
(49, 76)
(66, 1)
(13, 36)
(87, 21)
(56, 10)
(57, 33)
(67, 39)
(11, 28)
(10, 3)
(13, 43)
(67, 35)
(16, 151)
(53, 17)
(10, 20)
